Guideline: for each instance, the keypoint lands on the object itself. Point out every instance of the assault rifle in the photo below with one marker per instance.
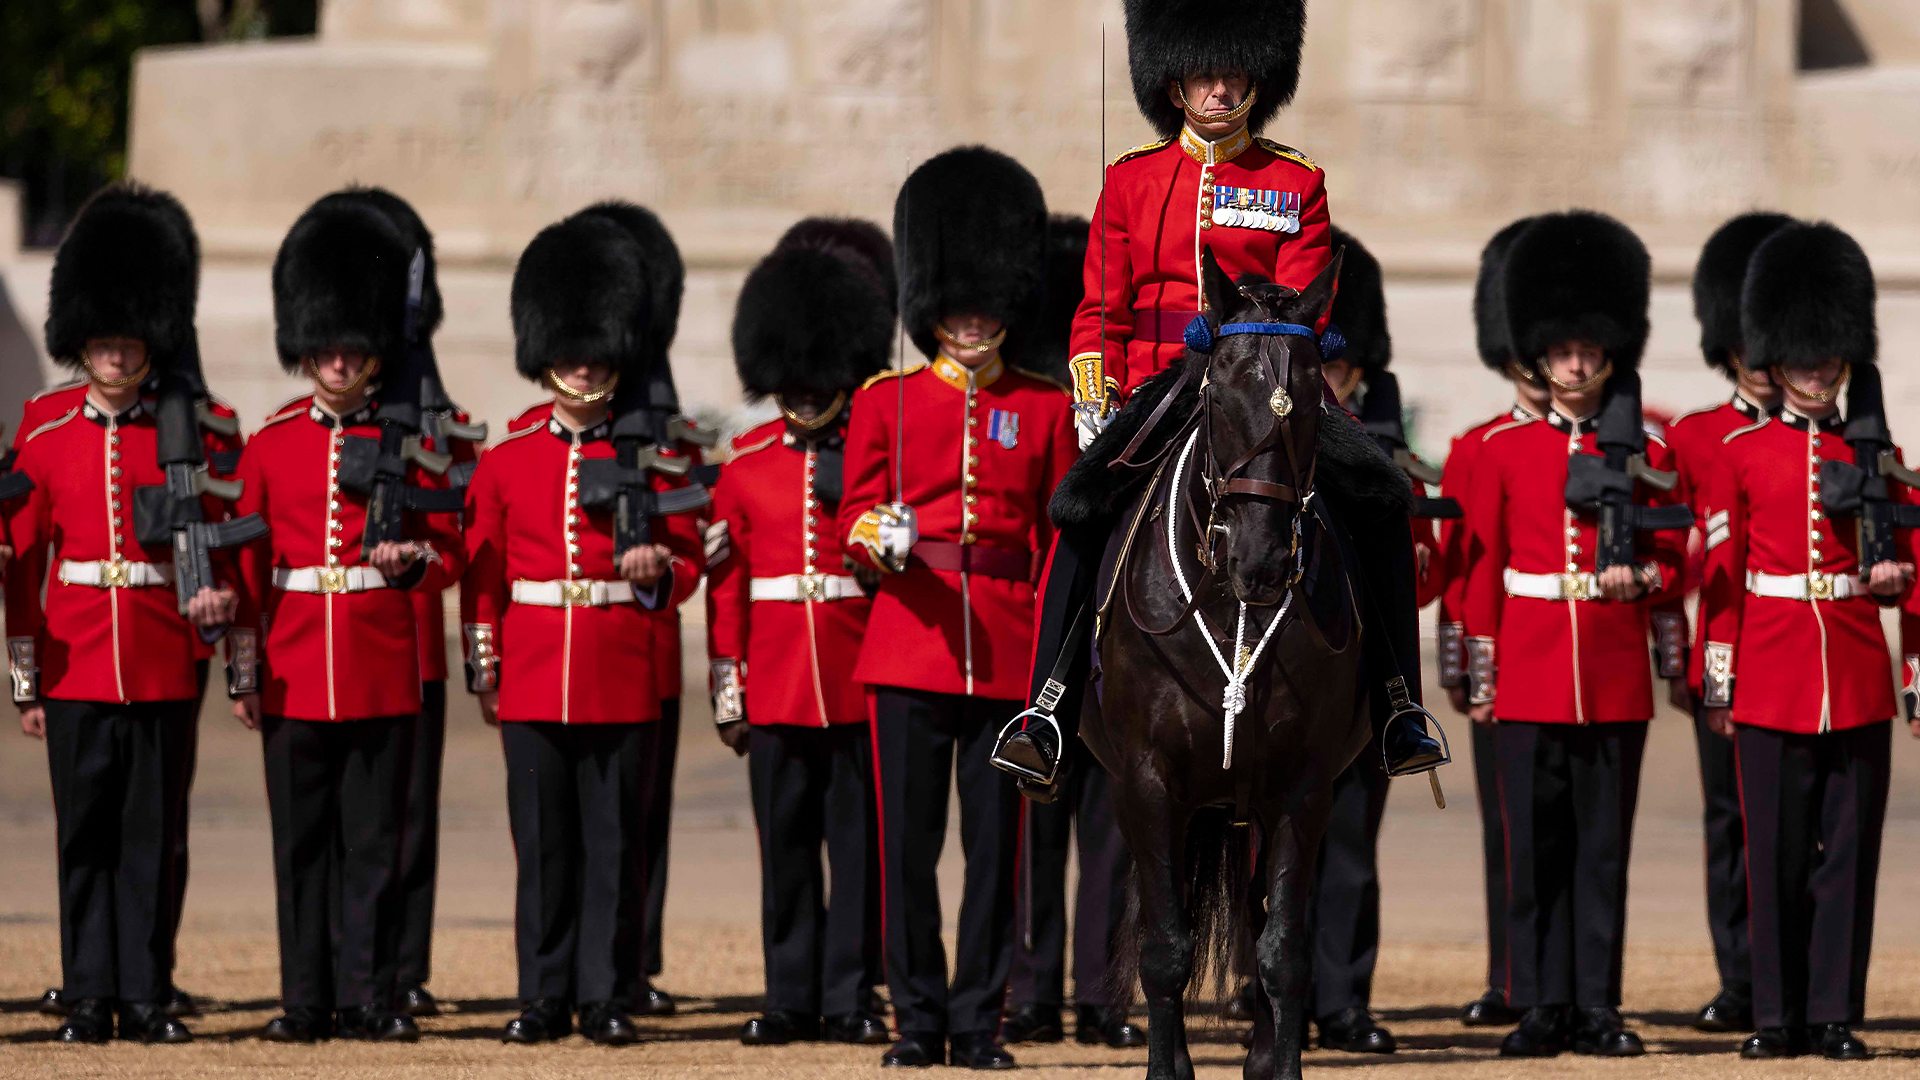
(1603, 483)
(645, 419)
(1861, 490)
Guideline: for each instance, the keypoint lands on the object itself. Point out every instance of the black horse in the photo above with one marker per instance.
(1227, 694)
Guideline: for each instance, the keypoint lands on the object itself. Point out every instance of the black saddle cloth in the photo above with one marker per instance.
(1361, 484)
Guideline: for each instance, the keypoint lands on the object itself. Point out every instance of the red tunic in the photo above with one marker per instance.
(1801, 666)
(662, 623)
(1155, 213)
(120, 644)
(793, 658)
(330, 656)
(1556, 661)
(1695, 438)
(572, 664)
(1455, 480)
(980, 462)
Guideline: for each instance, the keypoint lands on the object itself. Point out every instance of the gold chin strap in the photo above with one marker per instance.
(1822, 396)
(1349, 384)
(1518, 370)
(115, 384)
(367, 371)
(957, 349)
(585, 397)
(826, 416)
(1592, 382)
(1232, 115)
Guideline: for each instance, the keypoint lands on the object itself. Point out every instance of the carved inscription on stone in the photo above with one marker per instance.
(1686, 52)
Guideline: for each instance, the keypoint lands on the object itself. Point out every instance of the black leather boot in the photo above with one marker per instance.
(1030, 746)
(778, 1028)
(1095, 1026)
(299, 1025)
(1356, 1032)
(89, 1020)
(1489, 1010)
(1542, 1033)
(605, 1023)
(1775, 1042)
(1837, 1042)
(915, 1050)
(1602, 1033)
(418, 1001)
(543, 1020)
(1728, 1011)
(978, 1051)
(1033, 1024)
(861, 1028)
(149, 1023)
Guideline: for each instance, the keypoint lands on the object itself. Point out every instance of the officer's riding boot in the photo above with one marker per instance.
(1405, 729)
(1031, 744)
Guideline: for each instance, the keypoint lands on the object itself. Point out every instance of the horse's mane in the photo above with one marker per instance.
(1357, 478)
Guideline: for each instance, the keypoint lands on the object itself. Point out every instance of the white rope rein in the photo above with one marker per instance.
(1234, 700)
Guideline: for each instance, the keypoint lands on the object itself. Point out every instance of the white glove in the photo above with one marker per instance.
(1088, 423)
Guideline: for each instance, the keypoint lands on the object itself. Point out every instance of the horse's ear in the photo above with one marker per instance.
(1218, 289)
(1317, 299)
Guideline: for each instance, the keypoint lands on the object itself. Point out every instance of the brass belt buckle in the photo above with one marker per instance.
(813, 587)
(333, 579)
(1575, 587)
(576, 593)
(113, 573)
(1819, 585)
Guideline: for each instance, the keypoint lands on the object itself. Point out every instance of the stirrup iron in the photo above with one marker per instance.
(1042, 712)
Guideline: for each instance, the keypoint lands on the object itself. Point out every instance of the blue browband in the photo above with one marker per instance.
(1200, 336)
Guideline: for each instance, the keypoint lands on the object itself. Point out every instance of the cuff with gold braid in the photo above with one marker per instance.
(243, 662)
(483, 662)
(1717, 676)
(1093, 391)
(1481, 669)
(1452, 650)
(24, 669)
(1670, 643)
(883, 532)
(729, 691)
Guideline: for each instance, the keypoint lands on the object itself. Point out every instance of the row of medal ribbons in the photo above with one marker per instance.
(1252, 208)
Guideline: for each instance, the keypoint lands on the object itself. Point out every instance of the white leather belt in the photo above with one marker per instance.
(1814, 586)
(572, 593)
(328, 579)
(794, 588)
(1576, 586)
(115, 574)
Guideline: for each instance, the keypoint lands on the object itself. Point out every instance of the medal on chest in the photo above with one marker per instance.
(1256, 208)
(1003, 427)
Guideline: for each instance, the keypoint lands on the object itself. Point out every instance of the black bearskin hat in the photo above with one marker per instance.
(419, 238)
(1579, 275)
(969, 233)
(581, 293)
(1718, 279)
(1493, 333)
(817, 313)
(660, 262)
(862, 242)
(340, 282)
(1044, 347)
(1168, 40)
(1360, 307)
(128, 267)
(1808, 296)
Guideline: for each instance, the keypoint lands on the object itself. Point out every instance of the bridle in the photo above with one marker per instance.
(1232, 481)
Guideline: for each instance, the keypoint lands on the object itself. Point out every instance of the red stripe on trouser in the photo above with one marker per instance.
(1506, 849)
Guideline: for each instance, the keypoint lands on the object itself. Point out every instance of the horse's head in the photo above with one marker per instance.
(1261, 396)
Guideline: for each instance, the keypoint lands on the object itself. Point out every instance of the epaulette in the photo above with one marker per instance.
(517, 433)
(1288, 152)
(753, 448)
(893, 373)
(1040, 377)
(1508, 426)
(50, 425)
(298, 404)
(70, 384)
(1654, 436)
(282, 416)
(1143, 148)
(1691, 413)
(1737, 432)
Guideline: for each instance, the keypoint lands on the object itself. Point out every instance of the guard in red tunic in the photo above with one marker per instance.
(1558, 624)
(102, 652)
(785, 619)
(1801, 555)
(335, 691)
(948, 469)
(1531, 400)
(1696, 439)
(558, 643)
(1208, 74)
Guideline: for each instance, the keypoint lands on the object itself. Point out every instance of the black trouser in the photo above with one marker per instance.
(575, 803)
(814, 787)
(1084, 814)
(1493, 852)
(1726, 836)
(1815, 809)
(1381, 560)
(420, 836)
(1346, 894)
(658, 788)
(116, 771)
(181, 785)
(1568, 795)
(921, 739)
(335, 790)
